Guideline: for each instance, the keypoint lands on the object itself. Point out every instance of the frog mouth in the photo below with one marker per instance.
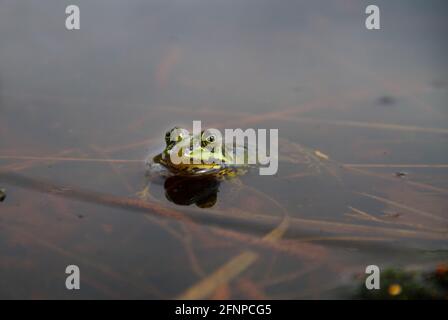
(196, 169)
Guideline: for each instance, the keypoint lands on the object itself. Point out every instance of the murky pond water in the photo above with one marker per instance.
(81, 110)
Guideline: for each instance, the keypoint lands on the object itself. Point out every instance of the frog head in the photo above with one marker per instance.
(202, 154)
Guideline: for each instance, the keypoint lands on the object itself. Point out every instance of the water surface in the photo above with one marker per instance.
(70, 100)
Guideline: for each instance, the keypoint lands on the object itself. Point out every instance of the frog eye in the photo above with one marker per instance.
(208, 140)
(174, 135)
(168, 138)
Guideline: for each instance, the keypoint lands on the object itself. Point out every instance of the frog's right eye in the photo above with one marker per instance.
(168, 137)
(174, 134)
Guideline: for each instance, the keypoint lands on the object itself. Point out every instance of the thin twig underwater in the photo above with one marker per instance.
(247, 222)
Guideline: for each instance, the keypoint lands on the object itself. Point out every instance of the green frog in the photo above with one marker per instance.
(205, 164)
(198, 178)
(200, 158)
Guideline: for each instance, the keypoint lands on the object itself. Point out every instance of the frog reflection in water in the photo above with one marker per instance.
(202, 191)
(197, 179)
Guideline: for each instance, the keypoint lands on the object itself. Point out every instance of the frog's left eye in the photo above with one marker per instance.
(208, 140)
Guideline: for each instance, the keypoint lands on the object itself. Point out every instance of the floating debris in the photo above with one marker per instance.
(2, 195)
(391, 214)
(386, 101)
(438, 84)
(401, 174)
(321, 155)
